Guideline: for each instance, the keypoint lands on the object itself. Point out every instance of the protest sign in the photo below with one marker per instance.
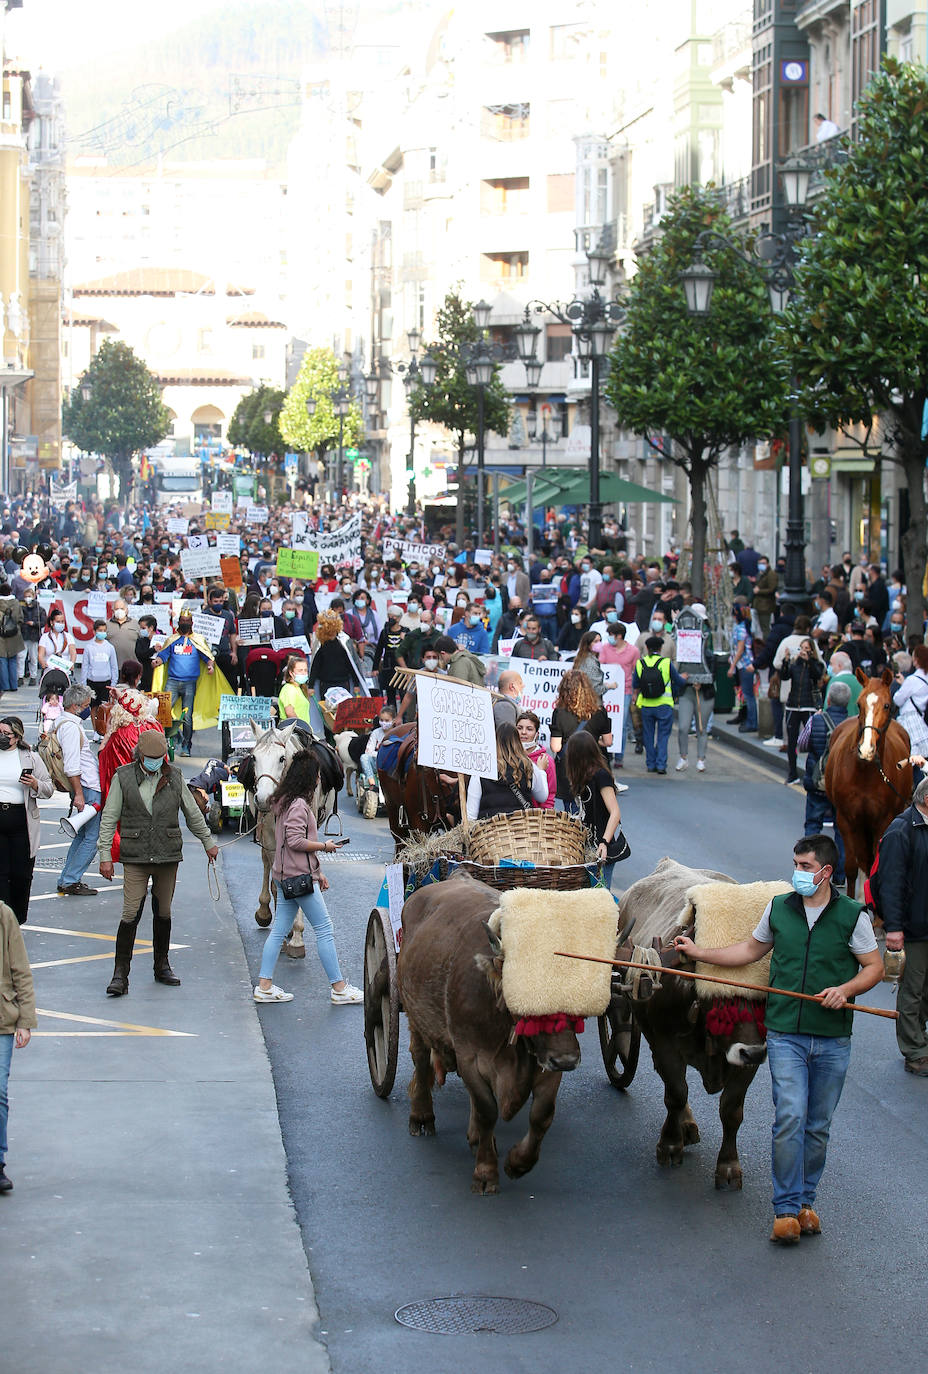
(197, 563)
(541, 679)
(456, 729)
(689, 646)
(299, 524)
(298, 563)
(64, 665)
(256, 515)
(227, 544)
(411, 551)
(161, 614)
(267, 625)
(78, 618)
(244, 708)
(614, 698)
(96, 605)
(230, 570)
(294, 643)
(208, 627)
(177, 524)
(483, 556)
(60, 496)
(249, 631)
(221, 502)
(197, 541)
(217, 520)
(164, 598)
(336, 546)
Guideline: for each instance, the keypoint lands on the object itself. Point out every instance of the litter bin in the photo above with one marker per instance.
(724, 686)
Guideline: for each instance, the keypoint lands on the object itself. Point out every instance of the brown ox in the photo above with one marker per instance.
(449, 976)
(673, 1021)
(862, 780)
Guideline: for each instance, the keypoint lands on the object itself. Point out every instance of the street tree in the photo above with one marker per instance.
(451, 401)
(318, 378)
(123, 414)
(857, 328)
(706, 383)
(248, 428)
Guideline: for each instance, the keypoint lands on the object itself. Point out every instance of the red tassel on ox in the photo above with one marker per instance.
(548, 1025)
(725, 1014)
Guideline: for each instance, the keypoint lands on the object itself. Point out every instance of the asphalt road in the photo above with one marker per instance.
(642, 1265)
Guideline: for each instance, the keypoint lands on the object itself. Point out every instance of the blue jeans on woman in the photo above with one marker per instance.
(6, 1055)
(746, 680)
(314, 909)
(9, 679)
(808, 1073)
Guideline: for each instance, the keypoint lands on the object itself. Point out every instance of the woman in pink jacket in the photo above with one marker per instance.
(528, 726)
(615, 650)
(297, 851)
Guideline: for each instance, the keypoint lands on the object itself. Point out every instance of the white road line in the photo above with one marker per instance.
(47, 896)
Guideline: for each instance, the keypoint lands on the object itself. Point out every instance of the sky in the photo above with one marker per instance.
(55, 34)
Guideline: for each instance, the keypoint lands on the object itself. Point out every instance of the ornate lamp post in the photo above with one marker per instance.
(774, 258)
(415, 375)
(593, 321)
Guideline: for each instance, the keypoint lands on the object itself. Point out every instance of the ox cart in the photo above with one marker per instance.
(497, 854)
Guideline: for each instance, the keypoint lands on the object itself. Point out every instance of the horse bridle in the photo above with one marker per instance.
(879, 731)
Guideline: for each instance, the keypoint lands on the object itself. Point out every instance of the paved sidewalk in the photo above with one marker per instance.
(150, 1228)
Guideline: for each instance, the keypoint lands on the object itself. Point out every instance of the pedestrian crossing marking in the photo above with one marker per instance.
(113, 1027)
(142, 946)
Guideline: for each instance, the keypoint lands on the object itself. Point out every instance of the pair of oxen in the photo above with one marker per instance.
(449, 972)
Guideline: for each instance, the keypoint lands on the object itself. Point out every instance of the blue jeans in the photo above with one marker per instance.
(626, 722)
(8, 676)
(6, 1054)
(807, 1072)
(314, 909)
(186, 691)
(656, 725)
(83, 846)
(746, 679)
(369, 767)
(819, 810)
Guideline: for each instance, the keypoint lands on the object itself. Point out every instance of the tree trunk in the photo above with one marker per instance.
(914, 542)
(122, 468)
(459, 513)
(699, 524)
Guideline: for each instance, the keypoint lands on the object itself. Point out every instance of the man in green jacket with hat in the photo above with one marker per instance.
(823, 945)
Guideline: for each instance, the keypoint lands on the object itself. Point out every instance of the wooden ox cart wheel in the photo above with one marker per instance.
(381, 1002)
(620, 1041)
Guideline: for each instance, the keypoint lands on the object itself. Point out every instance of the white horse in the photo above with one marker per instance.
(273, 752)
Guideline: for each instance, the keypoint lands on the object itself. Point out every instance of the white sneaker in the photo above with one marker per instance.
(773, 742)
(700, 765)
(681, 764)
(348, 994)
(621, 786)
(271, 994)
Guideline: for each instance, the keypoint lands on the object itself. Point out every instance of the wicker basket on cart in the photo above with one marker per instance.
(544, 837)
(553, 877)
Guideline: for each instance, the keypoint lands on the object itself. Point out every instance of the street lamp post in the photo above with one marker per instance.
(593, 321)
(774, 257)
(417, 375)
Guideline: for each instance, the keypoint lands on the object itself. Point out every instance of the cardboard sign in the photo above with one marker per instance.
(221, 502)
(177, 525)
(217, 520)
(359, 713)
(249, 631)
(230, 570)
(338, 546)
(208, 627)
(396, 895)
(689, 646)
(227, 544)
(245, 708)
(484, 556)
(233, 795)
(456, 729)
(256, 515)
(161, 614)
(96, 605)
(295, 644)
(197, 563)
(298, 563)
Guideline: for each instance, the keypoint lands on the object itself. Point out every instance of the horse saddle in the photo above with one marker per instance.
(398, 750)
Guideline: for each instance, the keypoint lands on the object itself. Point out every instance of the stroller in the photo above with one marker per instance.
(220, 803)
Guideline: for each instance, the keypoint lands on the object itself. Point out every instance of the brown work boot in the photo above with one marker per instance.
(917, 1066)
(785, 1231)
(809, 1224)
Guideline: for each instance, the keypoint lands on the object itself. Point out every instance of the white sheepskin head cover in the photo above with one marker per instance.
(531, 924)
(725, 913)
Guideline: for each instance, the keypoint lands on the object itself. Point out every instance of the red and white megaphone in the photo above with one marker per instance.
(71, 825)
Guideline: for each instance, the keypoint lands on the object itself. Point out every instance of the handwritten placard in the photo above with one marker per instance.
(230, 570)
(396, 894)
(298, 563)
(217, 520)
(689, 646)
(245, 708)
(222, 502)
(197, 563)
(456, 728)
(249, 631)
(177, 525)
(227, 544)
(256, 515)
(208, 627)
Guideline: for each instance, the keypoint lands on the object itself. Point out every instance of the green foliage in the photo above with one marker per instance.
(857, 327)
(452, 401)
(709, 383)
(123, 414)
(247, 428)
(318, 377)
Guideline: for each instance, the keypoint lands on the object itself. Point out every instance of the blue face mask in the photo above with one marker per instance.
(153, 765)
(804, 883)
(473, 620)
(85, 714)
(99, 634)
(612, 616)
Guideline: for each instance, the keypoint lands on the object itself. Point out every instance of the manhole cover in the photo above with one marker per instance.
(464, 1316)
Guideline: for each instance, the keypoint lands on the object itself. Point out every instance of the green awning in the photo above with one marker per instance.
(547, 484)
(571, 487)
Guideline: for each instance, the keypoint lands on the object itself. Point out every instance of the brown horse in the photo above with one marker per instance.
(419, 799)
(868, 777)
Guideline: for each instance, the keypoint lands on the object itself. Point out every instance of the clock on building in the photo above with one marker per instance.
(794, 72)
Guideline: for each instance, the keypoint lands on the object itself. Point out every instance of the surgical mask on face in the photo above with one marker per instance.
(119, 615)
(510, 567)
(99, 634)
(657, 626)
(473, 620)
(585, 567)
(144, 634)
(289, 615)
(575, 620)
(858, 596)
(85, 714)
(300, 678)
(185, 627)
(385, 724)
(153, 765)
(762, 567)
(412, 606)
(430, 664)
(804, 883)
(86, 576)
(461, 605)
(612, 616)
(360, 605)
(56, 625)
(531, 636)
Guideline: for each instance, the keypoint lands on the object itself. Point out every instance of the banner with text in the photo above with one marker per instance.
(333, 546)
(456, 729)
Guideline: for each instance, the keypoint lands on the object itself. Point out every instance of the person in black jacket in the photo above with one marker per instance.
(901, 896)
(804, 675)
(144, 649)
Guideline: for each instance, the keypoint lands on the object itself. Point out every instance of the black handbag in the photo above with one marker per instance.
(300, 886)
(617, 848)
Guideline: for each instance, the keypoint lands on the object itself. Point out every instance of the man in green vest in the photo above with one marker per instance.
(145, 800)
(823, 945)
